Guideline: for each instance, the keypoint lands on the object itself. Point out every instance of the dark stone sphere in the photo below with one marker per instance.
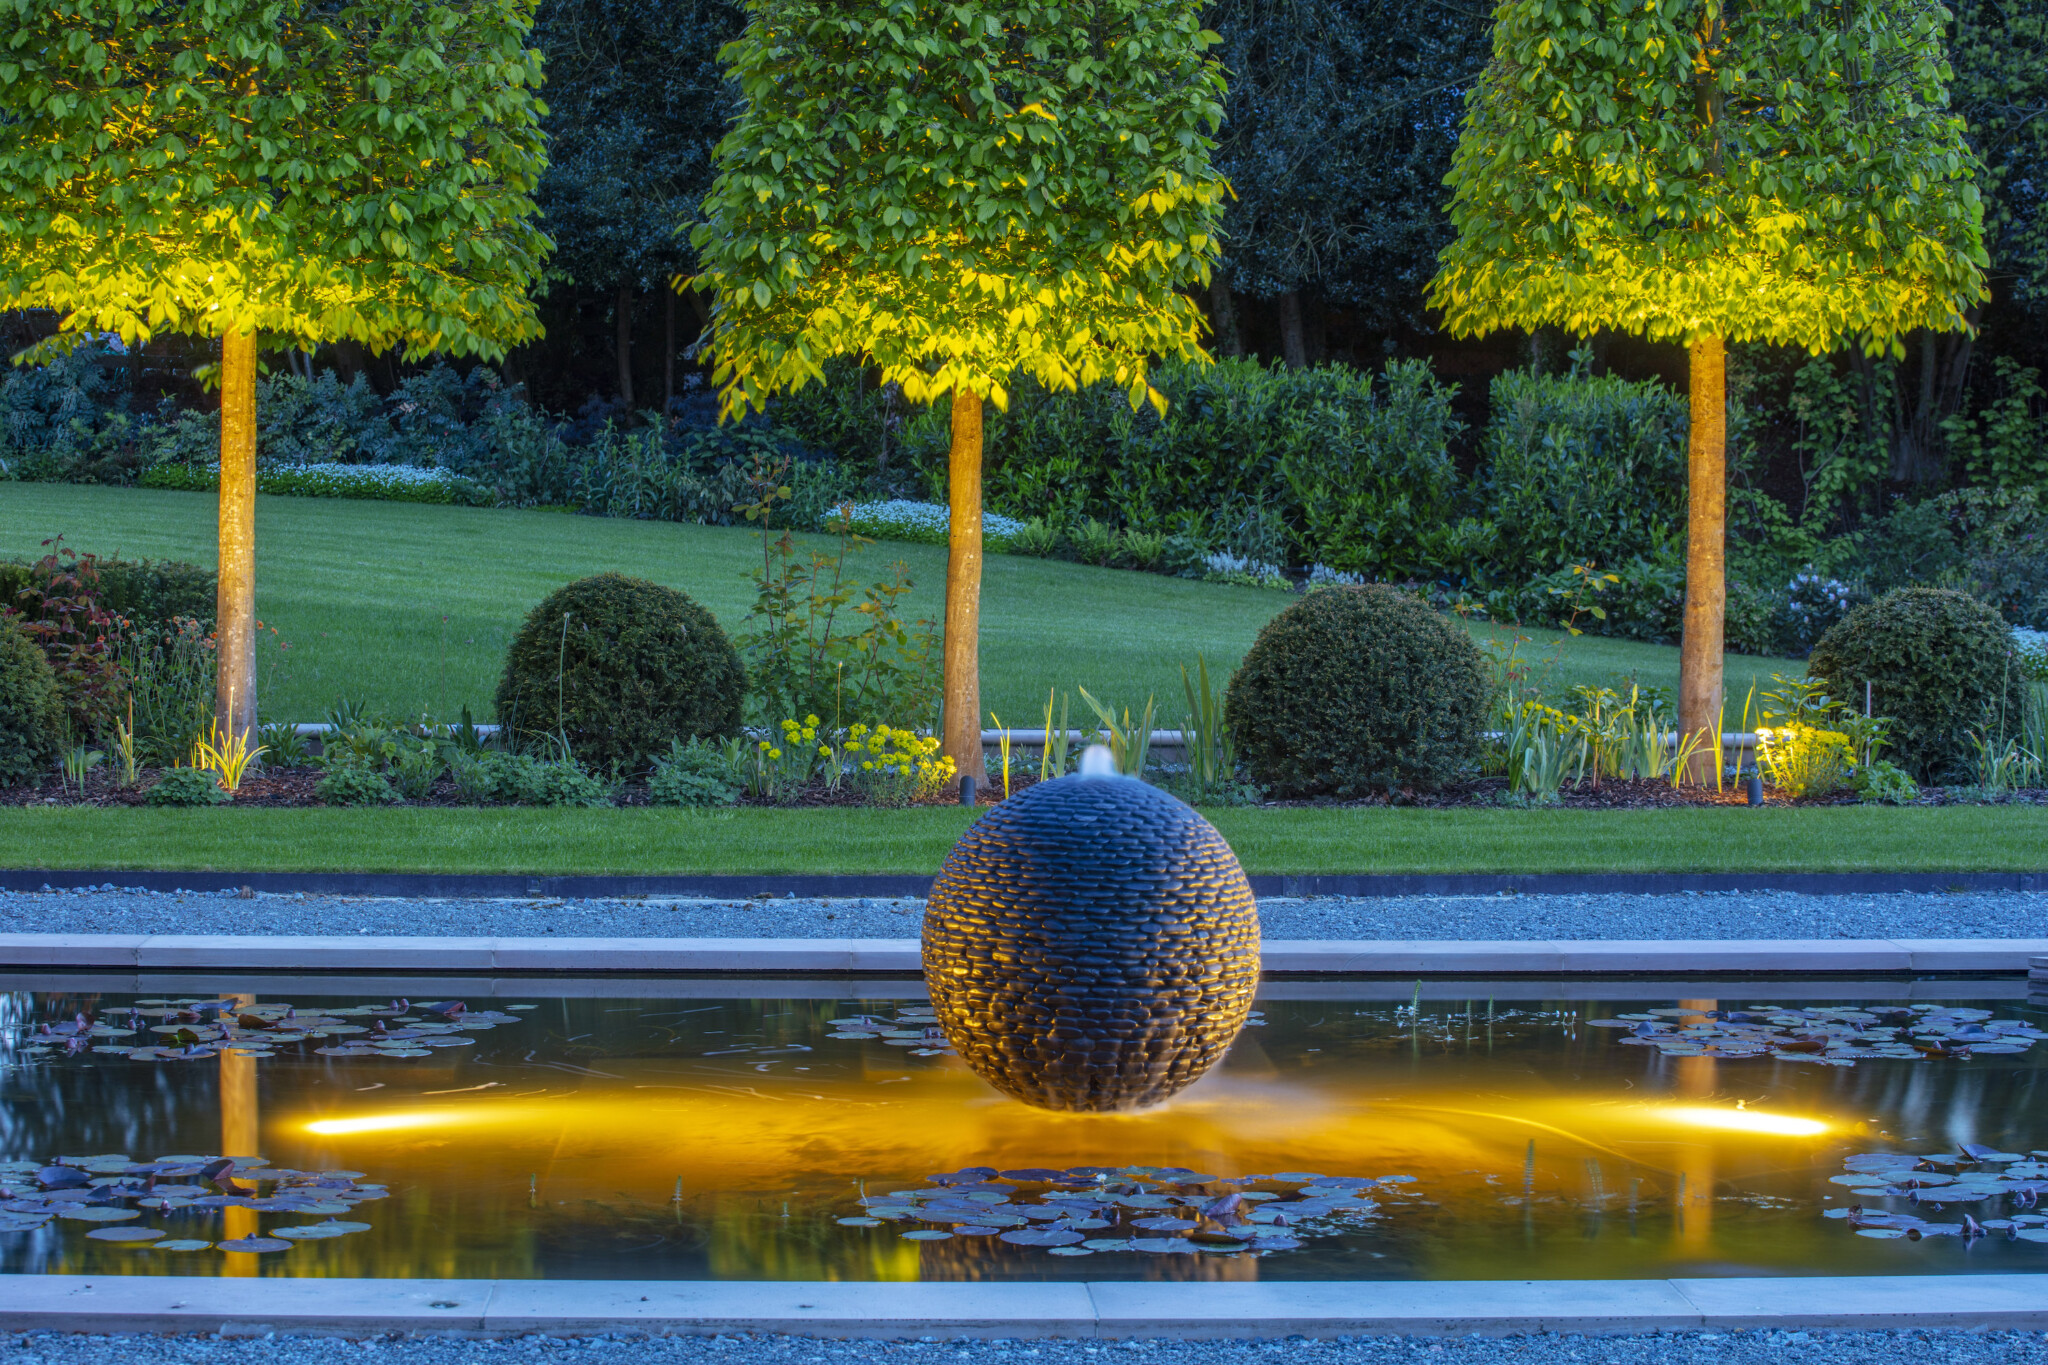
(1091, 945)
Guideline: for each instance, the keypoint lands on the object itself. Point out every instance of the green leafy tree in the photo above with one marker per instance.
(296, 171)
(956, 192)
(1782, 170)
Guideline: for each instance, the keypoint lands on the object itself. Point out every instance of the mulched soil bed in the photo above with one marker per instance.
(294, 788)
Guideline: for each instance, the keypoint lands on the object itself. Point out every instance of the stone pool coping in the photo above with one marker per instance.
(1282, 957)
(1099, 1309)
(886, 886)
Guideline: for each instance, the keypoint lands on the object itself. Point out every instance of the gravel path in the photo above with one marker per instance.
(1665, 1348)
(1735, 915)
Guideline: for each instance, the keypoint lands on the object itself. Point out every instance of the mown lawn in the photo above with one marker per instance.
(641, 841)
(409, 608)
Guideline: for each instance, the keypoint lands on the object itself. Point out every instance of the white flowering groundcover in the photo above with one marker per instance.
(924, 523)
(385, 482)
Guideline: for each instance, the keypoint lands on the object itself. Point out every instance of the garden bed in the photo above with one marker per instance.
(294, 788)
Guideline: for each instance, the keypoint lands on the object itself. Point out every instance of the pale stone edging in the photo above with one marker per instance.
(769, 955)
(1109, 1309)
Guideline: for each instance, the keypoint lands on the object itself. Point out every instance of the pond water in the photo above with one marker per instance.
(699, 1129)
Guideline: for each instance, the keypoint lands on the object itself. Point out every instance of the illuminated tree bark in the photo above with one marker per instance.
(962, 682)
(235, 603)
(1706, 571)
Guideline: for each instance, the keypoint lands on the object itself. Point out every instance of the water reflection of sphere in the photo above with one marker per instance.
(1091, 945)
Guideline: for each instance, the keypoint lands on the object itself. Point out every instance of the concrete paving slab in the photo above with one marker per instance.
(1427, 1307)
(1972, 954)
(254, 952)
(1405, 955)
(71, 950)
(1871, 1301)
(997, 1309)
(680, 954)
(1736, 955)
(239, 1307)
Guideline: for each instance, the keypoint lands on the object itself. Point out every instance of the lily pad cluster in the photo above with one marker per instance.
(1992, 1192)
(1827, 1035)
(195, 1029)
(915, 1029)
(1160, 1210)
(173, 1203)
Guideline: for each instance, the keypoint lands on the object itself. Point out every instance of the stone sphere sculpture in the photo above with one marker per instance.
(1091, 945)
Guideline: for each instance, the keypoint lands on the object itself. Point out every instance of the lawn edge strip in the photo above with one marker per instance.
(898, 957)
(848, 886)
(1083, 1309)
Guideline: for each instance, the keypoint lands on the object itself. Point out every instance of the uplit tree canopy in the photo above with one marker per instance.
(962, 191)
(317, 171)
(302, 170)
(1777, 170)
(956, 191)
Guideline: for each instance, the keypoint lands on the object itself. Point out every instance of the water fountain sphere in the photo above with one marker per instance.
(1091, 944)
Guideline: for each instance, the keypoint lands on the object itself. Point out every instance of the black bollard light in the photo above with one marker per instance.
(1754, 785)
(967, 790)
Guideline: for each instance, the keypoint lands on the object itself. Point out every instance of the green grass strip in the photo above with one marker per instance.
(656, 842)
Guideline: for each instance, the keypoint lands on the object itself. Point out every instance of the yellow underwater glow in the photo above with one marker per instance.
(1744, 1121)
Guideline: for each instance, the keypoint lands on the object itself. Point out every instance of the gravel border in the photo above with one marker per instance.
(1687, 915)
(1762, 1347)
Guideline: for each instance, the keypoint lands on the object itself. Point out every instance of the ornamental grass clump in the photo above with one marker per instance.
(613, 668)
(1800, 760)
(1353, 691)
(1940, 664)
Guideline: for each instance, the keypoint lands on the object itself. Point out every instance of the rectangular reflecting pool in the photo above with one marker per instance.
(820, 1130)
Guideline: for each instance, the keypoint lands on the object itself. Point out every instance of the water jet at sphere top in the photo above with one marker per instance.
(1091, 944)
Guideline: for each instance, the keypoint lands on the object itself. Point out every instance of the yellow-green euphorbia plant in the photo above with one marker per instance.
(302, 170)
(958, 193)
(1703, 171)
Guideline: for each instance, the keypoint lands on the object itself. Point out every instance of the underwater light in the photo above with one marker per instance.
(1744, 1121)
(375, 1123)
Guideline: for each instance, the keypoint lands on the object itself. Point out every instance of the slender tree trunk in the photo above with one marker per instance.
(235, 605)
(1706, 584)
(1223, 317)
(962, 683)
(668, 354)
(623, 343)
(1293, 347)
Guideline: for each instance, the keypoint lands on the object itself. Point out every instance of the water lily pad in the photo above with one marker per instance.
(1881, 1234)
(927, 1235)
(1069, 1251)
(309, 1232)
(1165, 1246)
(125, 1234)
(181, 1244)
(255, 1244)
(1041, 1237)
(1164, 1224)
(1108, 1244)
(97, 1213)
(970, 1230)
(860, 1222)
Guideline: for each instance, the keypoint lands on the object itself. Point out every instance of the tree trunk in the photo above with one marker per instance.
(1223, 318)
(623, 343)
(234, 704)
(962, 683)
(1706, 584)
(668, 355)
(1293, 348)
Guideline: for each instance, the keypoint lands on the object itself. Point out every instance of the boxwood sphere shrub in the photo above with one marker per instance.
(1941, 664)
(31, 708)
(640, 665)
(1358, 689)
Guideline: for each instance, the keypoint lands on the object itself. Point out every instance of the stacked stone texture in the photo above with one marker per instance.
(1091, 945)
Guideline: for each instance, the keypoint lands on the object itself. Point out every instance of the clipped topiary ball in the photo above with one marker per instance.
(1941, 664)
(31, 708)
(638, 666)
(1091, 945)
(1354, 690)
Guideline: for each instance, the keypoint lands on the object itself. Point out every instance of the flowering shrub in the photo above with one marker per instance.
(2033, 651)
(925, 523)
(899, 764)
(379, 482)
(1801, 760)
(1224, 567)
